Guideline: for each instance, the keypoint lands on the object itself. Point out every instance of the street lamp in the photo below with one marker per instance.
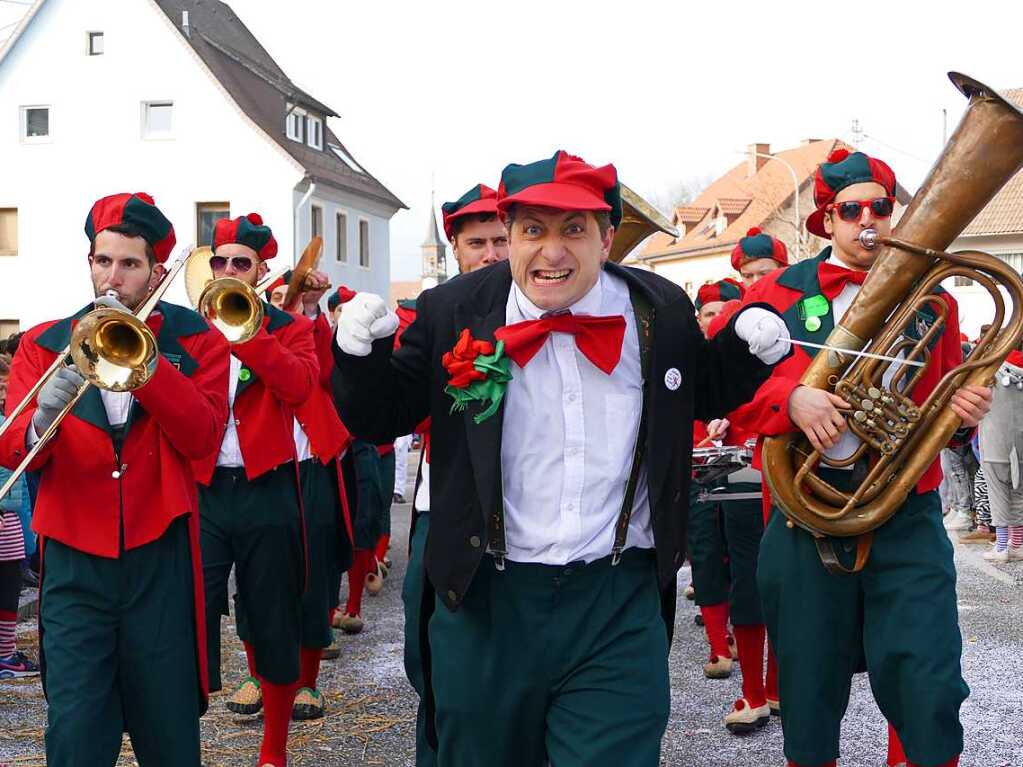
(795, 185)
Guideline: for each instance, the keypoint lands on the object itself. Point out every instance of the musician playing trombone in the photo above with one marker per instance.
(116, 513)
(896, 616)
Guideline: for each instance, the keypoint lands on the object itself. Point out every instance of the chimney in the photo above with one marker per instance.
(757, 158)
(808, 141)
(185, 27)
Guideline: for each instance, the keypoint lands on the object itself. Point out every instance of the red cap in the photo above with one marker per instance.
(480, 199)
(137, 210)
(844, 168)
(564, 182)
(249, 231)
(755, 245)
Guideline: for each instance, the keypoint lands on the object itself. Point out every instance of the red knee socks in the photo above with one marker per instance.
(278, 700)
(750, 643)
(771, 682)
(895, 753)
(331, 615)
(309, 660)
(250, 658)
(381, 549)
(362, 565)
(715, 623)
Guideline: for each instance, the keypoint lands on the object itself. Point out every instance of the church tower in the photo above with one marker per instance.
(435, 249)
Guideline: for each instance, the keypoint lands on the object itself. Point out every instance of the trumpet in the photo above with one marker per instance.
(112, 349)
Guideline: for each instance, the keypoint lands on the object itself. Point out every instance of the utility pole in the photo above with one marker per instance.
(857, 133)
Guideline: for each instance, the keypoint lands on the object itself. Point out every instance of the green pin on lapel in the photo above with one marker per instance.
(811, 310)
(244, 374)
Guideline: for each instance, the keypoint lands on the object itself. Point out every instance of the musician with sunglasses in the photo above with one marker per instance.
(121, 627)
(249, 497)
(897, 617)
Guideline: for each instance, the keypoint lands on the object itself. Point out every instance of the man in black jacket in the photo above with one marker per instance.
(562, 391)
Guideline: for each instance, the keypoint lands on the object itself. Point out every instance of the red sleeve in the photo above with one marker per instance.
(30, 362)
(323, 337)
(284, 361)
(191, 411)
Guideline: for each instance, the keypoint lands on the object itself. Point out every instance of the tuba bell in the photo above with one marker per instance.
(639, 220)
(900, 437)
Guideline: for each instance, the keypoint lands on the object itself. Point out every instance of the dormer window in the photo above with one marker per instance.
(346, 158)
(314, 136)
(95, 43)
(295, 126)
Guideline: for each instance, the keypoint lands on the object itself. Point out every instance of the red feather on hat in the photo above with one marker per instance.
(255, 218)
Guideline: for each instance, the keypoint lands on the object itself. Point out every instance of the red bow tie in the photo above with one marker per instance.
(833, 278)
(599, 339)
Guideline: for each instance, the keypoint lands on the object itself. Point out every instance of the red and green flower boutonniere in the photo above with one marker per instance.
(479, 372)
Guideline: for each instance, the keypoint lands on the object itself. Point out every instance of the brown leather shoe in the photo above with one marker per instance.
(977, 537)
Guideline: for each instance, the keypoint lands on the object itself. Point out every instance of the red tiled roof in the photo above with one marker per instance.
(763, 193)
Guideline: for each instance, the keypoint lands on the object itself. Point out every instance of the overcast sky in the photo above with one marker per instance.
(668, 91)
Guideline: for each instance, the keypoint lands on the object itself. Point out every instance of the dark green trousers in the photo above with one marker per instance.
(412, 593)
(255, 527)
(898, 615)
(744, 527)
(540, 662)
(707, 554)
(386, 490)
(321, 512)
(118, 636)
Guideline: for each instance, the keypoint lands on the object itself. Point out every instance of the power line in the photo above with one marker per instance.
(886, 145)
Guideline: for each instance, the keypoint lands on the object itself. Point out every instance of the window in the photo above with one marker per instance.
(317, 221)
(157, 119)
(35, 124)
(346, 158)
(364, 244)
(95, 43)
(342, 238)
(315, 137)
(8, 328)
(962, 282)
(295, 124)
(8, 231)
(207, 214)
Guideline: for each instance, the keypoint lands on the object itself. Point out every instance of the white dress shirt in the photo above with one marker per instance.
(117, 404)
(422, 499)
(569, 434)
(230, 448)
(848, 442)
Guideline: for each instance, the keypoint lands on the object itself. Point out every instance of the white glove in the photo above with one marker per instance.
(54, 397)
(364, 319)
(718, 428)
(765, 332)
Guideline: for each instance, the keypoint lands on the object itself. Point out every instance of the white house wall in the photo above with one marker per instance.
(375, 279)
(691, 273)
(215, 155)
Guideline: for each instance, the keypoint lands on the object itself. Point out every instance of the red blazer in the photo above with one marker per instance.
(280, 372)
(767, 413)
(177, 417)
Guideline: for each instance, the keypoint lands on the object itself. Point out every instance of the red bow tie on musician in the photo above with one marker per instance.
(599, 339)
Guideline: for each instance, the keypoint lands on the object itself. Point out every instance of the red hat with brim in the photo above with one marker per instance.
(563, 182)
(843, 169)
(480, 199)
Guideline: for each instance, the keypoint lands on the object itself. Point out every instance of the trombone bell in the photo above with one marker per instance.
(233, 308)
(114, 350)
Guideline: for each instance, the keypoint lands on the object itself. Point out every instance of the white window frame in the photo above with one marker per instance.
(295, 117)
(346, 158)
(368, 265)
(314, 132)
(338, 229)
(149, 135)
(90, 37)
(11, 252)
(23, 117)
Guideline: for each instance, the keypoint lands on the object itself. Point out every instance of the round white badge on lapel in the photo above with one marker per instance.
(672, 379)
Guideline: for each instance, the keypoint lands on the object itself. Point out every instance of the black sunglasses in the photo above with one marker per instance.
(240, 263)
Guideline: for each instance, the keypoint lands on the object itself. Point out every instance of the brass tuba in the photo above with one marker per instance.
(900, 438)
(639, 220)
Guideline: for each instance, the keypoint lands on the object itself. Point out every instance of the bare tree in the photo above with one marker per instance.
(678, 193)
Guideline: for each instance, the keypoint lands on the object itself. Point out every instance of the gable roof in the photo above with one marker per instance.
(746, 201)
(1004, 214)
(265, 93)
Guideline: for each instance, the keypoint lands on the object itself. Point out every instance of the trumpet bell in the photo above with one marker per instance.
(114, 350)
(232, 307)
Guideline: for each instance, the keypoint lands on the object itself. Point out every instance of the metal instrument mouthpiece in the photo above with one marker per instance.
(869, 238)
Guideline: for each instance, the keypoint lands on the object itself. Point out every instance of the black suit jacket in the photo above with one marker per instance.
(387, 393)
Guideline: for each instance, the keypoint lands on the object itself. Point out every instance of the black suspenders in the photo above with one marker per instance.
(644, 314)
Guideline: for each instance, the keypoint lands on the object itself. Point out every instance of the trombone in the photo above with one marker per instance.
(112, 349)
